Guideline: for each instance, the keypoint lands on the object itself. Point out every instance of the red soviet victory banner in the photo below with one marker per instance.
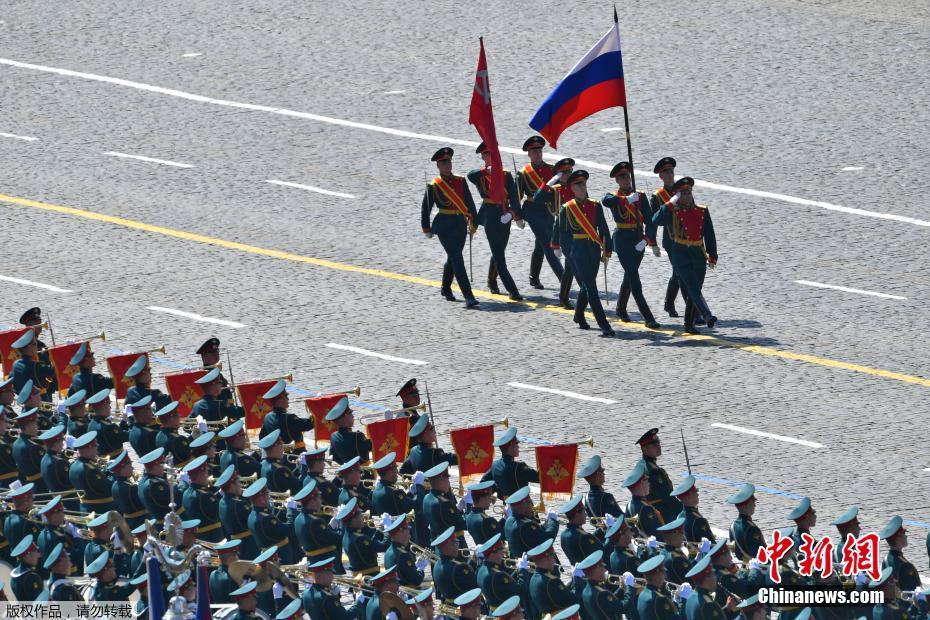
(60, 357)
(118, 365)
(318, 408)
(474, 447)
(250, 395)
(556, 466)
(481, 116)
(388, 436)
(181, 387)
(10, 355)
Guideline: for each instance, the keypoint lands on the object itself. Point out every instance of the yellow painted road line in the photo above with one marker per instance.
(400, 277)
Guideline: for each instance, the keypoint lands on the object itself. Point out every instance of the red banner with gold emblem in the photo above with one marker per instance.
(474, 447)
(118, 365)
(557, 466)
(10, 355)
(318, 408)
(181, 387)
(60, 357)
(388, 436)
(250, 396)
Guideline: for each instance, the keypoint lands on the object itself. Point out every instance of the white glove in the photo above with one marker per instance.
(524, 562)
(552, 515)
(468, 499)
(507, 511)
(391, 616)
(201, 424)
(755, 564)
(675, 198)
(385, 520)
(72, 529)
(480, 554)
(711, 265)
(635, 546)
(652, 543)
(148, 546)
(641, 246)
(429, 235)
(862, 579)
(422, 563)
(388, 414)
(656, 251)
(304, 458)
(554, 180)
(628, 579)
(633, 198)
(704, 547)
(418, 478)
(685, 551)
(521, 224)
(577, 572)
(184, 477)
(335, 524)
(506, 217)
(62, 409)
(609, 520)
(684, 591)
(336, 590)
(117, 543)
(277, 590)
(461, 504)
(558, 253)
(292, 503)
(919, 595)
(69, 441)
(361, 598)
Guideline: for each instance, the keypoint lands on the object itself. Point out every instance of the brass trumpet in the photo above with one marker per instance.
(356, 391)
(505, 422)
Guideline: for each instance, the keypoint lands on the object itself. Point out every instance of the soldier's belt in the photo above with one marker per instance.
(367, 571)
(582, 236)
(98, 500)
(449, 212)
(694, 244)
(241, 535)
(321, 551)
(626, 226)
(205, 528)
(138, 513)
(33, 477)
(493, 204)
(9, 475)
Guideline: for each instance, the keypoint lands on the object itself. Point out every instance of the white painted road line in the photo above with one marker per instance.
(47, 287)
(852, 168)
(394, 92)
(536, 388)
(153, 160)
(197, 317)
(191, 55)
(382, 356)
(309, 188)
(846, 289)
(611, 129)
(749, 431)
(16, 137)
(180, 94)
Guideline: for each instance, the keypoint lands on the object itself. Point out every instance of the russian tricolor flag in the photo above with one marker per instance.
(594, 84)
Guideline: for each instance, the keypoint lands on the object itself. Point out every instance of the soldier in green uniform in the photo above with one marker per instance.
(76, 407)
(548, 593)
(508, 473)
(361, 543)
(31, 397)
(496, 217)
(498, 583)
(701, 603)
(345, 444)
(25, 580)
(236, 453)
(321, 598)
(174, 443)
(8, 468)
(441, 508)
(744, 532)
(154, 488)
(125, 492)
(411, 570)
(600, 602)
(553, 194)
(273, 599)
(469, 604)
(58, 565)
(142, 430)
(246, 599)
(677, 564)
(110, 436)
(637, 483)
(269, 527)
(140, 372)
(653, 603)
(805, 518)
(137, 559)
(141, 584)
(212, 407)
(95, 485)
(384, 581)
(576, 543)
(846, 524)
(315, 462)
(29, 367)
(292, 611)
(452, 577)
(424, 454)
(511, 609)
(205, 445)
(665, 168)
(234, 512)
(18, 525)
(221, 584)
(693, 246)
(315, 537)
(891, 608)
(7, 397)
(103, 540)
(522, 529)
(350, 475)
(743, 583)
(617, 543)
(201, 501)
(633, 232)
(696, 526)
(660, 485)
(55, 530)
(751, 609)
(55, 465)
(386, 497)
(279, 473)
(480, 525)
(291, 426)
(597, 501)
(409, 397)
(86, 379)
(27, 452)
(530, 179)
(895, 536)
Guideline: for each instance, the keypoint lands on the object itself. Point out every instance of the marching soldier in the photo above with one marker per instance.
(137, 559)
(597, 501)
(154, 489)
(107, 588)
(292, 427)
(745, 534)
(271, 600)
(141, 584)
(33, 318)
(424, 455)
(576, 543)
(508, 473)
(17, 525)
(894, 534)
(496, 582)
(221, 583)
(440, 506)
(653, 603)
(245, 463)
(345, 444)
(321, 598)
(386, 497)
(110, 436)
(76, 406)
(86, 379)
(125, 492)
(55, 465)
(677, 563)
(411, 571)
(7, 396)
(451, 576)
(522, 529)
(246, 599)
(362, 544)
(385, 581)
(56, 532)
(102, 533)
(141, 374)
(269, 527)
(701, 603)
(409, 398)
(169, 438)
(805, 518)
(280, 476)
(553, 194)
(846, 524)
(890, 608)
(58, 565)
(30, 397)
(634, 230)
(660, 485)
(350, 473)
(637, 483)
(622, 558)
(547, 592)
(469, 604)
(693, 246)
(25, 580)
(696, 526)
(729, 580)
(8, 468)
(665, 168)
(530, 179)
(211, 406)
(29, 367)
(582, 220)
(457, 216)
(27, 453)
(201, 501)
(143, 431)
(495, 218)
(315, 537)
(204, 445)
(315, 462)
(599, 602)
(234, 512)
(481, 526)
(95, 485)
(292, 611)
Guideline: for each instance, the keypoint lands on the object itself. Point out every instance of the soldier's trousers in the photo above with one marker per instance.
(691, 267)
(671, 290)
(498, 235)
(452, 235)
(586, 259)
(540, 221)
(624, 242)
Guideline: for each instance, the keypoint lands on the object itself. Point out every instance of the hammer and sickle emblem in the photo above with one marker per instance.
(481, 85)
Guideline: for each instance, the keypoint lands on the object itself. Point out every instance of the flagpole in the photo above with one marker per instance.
(626, 116)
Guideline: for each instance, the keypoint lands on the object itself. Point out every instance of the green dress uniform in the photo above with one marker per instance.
(452, 578)
(346, 444)
(17, 526)
(155, 495)
(497, 233)
(743, 584)
(329, 491)
(598, 503)
(677, 565)
(322, 604)
(90, 381)
(423, 458)
(27, 453)
(246, 463)
(126, 497)
(653, 604)
(363, 545)
(317, 540)
(548, 594)
(95, 485)
(509, 475)
(497, 585)
(387, 498)
(451, 226)
(63, 590)
(747, 536)
(216, 409)
(373, 609)
(55, 468)
(578, 544)
(291, 426)
(623, 561)
(112, 592)
(9, 471)
(25, 582)
(696, 526)
(272, 529)
(361, 493)
(659, 198)
(51, 536)
(142, 437)
(481, 526)
(234, 515)
(530, 179)
(889, 611)
(202, 502)
(442, 513)
(42, 375)
(280, 476)
(599, 603)
(176, 444)
(702, 605)
(221, 584)
(121, 559)
(660, 488)
(632, 225)
(77, 426)
(649, 518)
(140, 391)
(524, 533)
(904, 572)
(407, 572)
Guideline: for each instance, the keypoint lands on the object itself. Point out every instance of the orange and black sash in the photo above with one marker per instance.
(452, 196)
(663, 195)
(630, 211)
(533, 176)
(586, 225)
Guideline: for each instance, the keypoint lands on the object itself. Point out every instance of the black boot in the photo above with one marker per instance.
(622, 300)
(565, 289)
(689, 320)
(446, 288)
(671, 292)
(492, 278)
(536, 261)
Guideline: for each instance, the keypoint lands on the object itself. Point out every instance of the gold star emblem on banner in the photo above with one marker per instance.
(260, 407)
(189, 397)
(70, 371)
(556, 472)
(475, 454)
(389, 444)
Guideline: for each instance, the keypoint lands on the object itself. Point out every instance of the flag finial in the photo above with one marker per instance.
(616, 19)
